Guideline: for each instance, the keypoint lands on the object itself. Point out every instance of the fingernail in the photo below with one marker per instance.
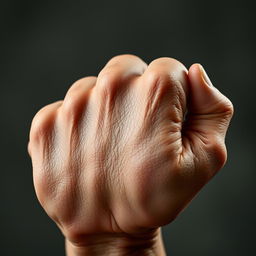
(205, 76)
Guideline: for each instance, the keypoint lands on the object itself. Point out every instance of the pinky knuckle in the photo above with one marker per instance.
(41, 124)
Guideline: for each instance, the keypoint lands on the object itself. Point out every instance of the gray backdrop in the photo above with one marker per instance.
(47, 45)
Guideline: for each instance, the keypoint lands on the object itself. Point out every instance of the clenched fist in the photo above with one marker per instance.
(126, 151)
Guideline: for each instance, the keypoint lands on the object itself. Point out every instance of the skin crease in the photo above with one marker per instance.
(126, 151)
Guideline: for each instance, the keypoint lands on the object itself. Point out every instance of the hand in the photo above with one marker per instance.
(126, 151)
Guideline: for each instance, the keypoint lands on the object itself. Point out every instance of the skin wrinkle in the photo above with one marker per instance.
(192, 133)
(157, 92)
(187, 147)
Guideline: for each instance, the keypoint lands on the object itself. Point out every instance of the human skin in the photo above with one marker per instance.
(126, 151)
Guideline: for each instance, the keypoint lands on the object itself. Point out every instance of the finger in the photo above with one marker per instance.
(81, 86)
(119, 69)
(42, 124)
(209, 114)
(77, 96)
(166, 79)
(209, 110)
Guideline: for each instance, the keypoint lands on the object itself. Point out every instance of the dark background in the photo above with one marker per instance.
(46, 45)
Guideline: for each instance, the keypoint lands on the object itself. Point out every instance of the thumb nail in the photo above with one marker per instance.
(205, 76)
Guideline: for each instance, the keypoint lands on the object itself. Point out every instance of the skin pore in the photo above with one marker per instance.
(126, 151)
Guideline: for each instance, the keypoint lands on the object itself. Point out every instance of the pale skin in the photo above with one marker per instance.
(126, 151)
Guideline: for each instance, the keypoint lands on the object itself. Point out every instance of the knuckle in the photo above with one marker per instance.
(109, 79)
(80, 83)
(71, 105)
(76, 85)
(75, 97)
(158, 77)
(37, 129)
(72, 108)
(155, 74)
(41, 124)
(163, 62)
(122, 57)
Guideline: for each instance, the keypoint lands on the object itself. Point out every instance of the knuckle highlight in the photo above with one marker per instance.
(158, 77)
(41, 124)
(167, 62)
(108, 80)
(122, 57)
(71, 105)
(76, 96)
(80, 83)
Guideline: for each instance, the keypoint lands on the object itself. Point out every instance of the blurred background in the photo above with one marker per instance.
(47, 45)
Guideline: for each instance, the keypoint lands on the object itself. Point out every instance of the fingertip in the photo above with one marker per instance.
(198, 76)
(194, 72)
(202, 94)
(194, 76)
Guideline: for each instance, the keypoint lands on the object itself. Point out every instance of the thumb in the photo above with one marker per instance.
(208, 116)
(209, 111)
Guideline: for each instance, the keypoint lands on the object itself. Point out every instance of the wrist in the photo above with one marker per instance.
(149, 244)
